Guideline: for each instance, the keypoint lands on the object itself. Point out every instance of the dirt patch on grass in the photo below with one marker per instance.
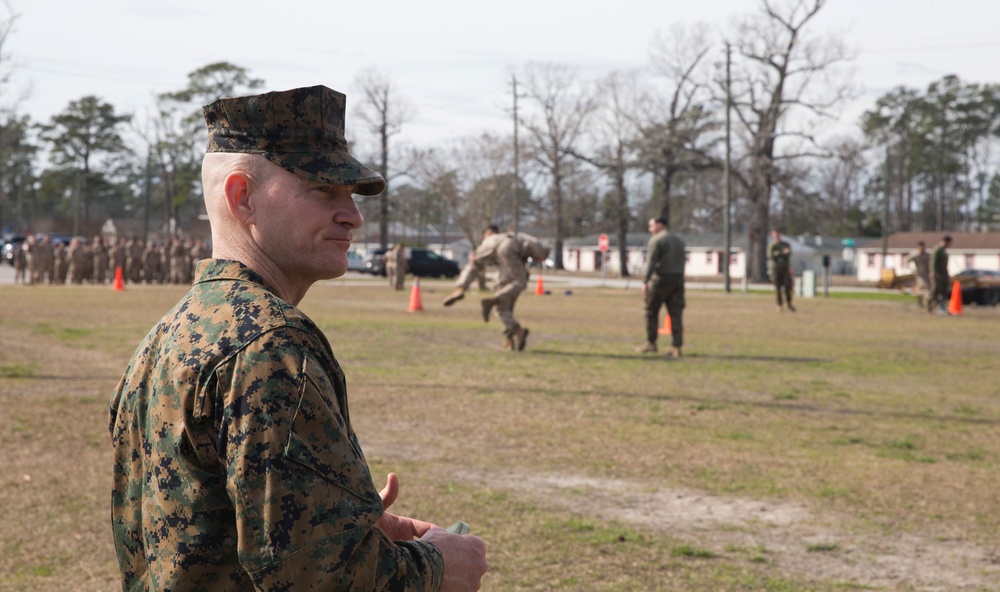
(805, 542)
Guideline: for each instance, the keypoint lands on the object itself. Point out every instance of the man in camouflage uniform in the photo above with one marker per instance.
(666, 255)
(939, 277)
(119, 258)
(396, 266)
(236, 465)
(780, 253)
(44, 260)
(133, 262)
(509, 253)
(920, 263)
(151, 262)
(101, 258)
(76, 255)
(21, 259)
(61, 268)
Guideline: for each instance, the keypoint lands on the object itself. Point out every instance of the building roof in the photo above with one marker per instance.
(636, 240)
(964, 241)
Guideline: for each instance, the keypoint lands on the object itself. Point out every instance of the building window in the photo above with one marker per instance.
(969, 259)
(871, 259)
(708, 257)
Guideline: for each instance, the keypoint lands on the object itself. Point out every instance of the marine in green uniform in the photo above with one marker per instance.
(939, 276)
(780, 253)
(664, 285)
(236, 464)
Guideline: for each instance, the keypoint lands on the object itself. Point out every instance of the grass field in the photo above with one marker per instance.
(853, 445)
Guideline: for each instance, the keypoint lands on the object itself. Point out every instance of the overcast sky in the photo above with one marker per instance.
(451, 59)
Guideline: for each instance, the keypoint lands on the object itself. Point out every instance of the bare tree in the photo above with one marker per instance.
(676, 124)
(615, 138)
(11, 132)
(383, 112)
(562, 108)
(782, 69)
(175, 134)
(473, 178)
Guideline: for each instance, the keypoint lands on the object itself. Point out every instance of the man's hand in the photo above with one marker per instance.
(398, 528)
(464, 559)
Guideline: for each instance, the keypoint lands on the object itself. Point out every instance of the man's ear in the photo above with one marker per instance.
(237, 188)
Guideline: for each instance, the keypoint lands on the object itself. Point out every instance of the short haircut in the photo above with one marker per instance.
(660, 221)
(947, 238)
(921, 244)
(493, 228)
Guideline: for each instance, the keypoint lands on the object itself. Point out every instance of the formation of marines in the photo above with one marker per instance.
(42, 261)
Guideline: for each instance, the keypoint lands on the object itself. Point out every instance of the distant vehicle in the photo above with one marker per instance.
(55, 239)
(427, 263)
(421, 262)
(979, 286)
(10, 246)
(375, 263)
(355, 262)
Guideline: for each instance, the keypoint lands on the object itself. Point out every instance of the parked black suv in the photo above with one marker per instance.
(10, 246)
(427, 263)
(421, 263)
(375, 262)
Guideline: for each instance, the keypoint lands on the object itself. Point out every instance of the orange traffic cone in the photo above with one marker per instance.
(667, 328)
(955, 306)
(416, 303)
(539, 287)
(119, 281)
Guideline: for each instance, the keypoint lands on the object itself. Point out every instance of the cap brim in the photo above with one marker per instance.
(334, 168)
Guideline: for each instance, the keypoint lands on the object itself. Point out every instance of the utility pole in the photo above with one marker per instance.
(517, 176)
(885, 210)
(726, 231)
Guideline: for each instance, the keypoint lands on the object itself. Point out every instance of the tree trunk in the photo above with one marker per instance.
(557, 199)
(622, 210)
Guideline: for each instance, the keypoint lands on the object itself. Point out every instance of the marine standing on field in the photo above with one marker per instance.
(509, 253)
(664, 285)
(101, 258)
(920, 262)
(21, 263)
(396, 266)
(939, 276)
(781, 258)
(236, 464)
(119, 257)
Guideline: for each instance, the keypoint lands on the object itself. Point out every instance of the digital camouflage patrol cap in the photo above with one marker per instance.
(301, 130)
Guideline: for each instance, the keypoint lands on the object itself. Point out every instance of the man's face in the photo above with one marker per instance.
(654, 226)
(775, 235)
(304, 227)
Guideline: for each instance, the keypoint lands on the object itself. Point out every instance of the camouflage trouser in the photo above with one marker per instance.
(505, 312)
(669, 290)
(922, 289)
(509, 286)
(783, 283)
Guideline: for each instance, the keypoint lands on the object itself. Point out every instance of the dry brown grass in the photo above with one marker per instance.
(860, 421)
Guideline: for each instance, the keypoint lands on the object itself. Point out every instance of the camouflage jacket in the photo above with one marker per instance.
(235, 463)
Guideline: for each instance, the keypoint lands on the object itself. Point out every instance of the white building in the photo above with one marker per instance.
(706, 253)
(969, 250)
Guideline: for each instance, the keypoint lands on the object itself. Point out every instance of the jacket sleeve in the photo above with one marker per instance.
(304, 500)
